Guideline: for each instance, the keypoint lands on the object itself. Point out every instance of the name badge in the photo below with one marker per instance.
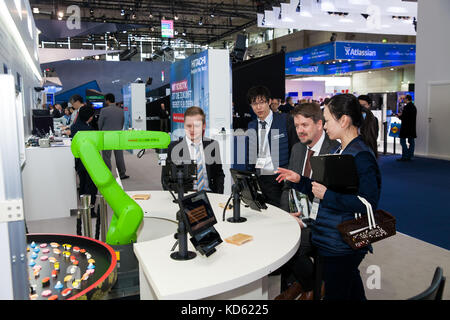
(314, 209)
(279, 136)
(260, 163)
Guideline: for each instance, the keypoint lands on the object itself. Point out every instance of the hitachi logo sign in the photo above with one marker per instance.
(198, 62)
(359, 53)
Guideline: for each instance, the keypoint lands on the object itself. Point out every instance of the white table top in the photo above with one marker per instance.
(276, 237)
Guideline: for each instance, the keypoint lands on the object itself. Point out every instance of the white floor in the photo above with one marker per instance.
(400, 267)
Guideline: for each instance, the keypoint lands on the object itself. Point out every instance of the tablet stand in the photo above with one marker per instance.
(236, 189)
(181, 235)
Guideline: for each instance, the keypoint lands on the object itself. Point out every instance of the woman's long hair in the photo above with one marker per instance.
(362, 118)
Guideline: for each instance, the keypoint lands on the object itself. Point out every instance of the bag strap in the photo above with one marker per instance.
(370, 217)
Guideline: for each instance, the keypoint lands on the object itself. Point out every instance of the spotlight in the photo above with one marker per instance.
(150, 15)
(175, 16)
(200, 22)
(91, 11)
(60, 14)
(122, 12)
(184, 32)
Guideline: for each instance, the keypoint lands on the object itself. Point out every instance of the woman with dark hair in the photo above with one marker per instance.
(354, 126)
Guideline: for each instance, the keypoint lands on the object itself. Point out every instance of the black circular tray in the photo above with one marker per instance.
(94, 288)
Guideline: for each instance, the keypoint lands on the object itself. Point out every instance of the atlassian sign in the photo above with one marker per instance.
(375, 51)
(189, 85)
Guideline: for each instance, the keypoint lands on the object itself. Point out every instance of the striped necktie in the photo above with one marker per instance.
(200, 185)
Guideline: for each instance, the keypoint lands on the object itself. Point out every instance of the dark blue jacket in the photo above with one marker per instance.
(282, 134)
(336, 208)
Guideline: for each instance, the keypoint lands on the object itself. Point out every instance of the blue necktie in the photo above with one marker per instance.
(200, 185)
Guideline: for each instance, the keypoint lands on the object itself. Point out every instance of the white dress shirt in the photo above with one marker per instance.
(264, 151)
(193, 157)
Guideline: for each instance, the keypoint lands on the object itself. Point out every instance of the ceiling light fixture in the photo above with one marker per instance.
(200, 22)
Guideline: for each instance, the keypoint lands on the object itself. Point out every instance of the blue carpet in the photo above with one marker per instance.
(417, 193)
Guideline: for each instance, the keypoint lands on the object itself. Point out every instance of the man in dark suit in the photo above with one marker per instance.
(112, 119)
(408, 129)
(297, 273)
(269, 141)
(194, 146)
(288, 106)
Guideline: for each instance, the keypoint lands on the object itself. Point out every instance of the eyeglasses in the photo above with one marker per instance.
(259, 103)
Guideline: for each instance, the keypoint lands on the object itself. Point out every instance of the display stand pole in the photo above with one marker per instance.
(103, 216)
(236, 205)
(181, 235)
(394, 144)
(86, 214)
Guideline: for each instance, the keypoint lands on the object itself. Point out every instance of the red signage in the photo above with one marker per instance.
(180, 86)
(178, 117)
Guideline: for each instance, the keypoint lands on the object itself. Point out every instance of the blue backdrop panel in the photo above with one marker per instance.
(81, 90)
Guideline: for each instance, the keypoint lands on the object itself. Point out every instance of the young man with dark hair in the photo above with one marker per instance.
(269, 141)
(288, 107)
(112, 119)
(195, 146)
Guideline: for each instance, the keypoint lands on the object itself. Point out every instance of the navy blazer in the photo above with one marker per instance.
(281, 134)
(336, 208)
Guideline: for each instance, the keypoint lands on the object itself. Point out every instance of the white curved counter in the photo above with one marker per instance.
(232, 272)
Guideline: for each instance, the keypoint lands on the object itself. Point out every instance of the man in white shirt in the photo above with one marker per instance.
(195, 146)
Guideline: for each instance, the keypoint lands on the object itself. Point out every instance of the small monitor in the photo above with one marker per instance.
(40, 112)
(42, 125)
(250, 193)
(198, 212)
(97, 104)
(200, 219)
(170, 177)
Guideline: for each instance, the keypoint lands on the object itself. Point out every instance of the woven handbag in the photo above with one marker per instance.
(367, 229)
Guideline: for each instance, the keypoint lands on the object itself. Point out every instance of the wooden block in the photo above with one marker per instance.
(141, 197)
(239, 239)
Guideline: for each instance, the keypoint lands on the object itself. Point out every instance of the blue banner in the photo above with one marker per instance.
(375, 51)
(311, 55)
(189, 85)
(306, 70)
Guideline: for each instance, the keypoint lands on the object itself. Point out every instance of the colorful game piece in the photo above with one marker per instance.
(57, 251)
(37, 267)
(72, 258)
(75, 262)
(54, 244)
(91, 261)
(36, 250)
(52, 259)
(59, 285)
(43, 245)
(67, 246)
(46, 250)
(33, 244)
(46, 293)
(85, 276)
(46, 281)
(67, 278)
(54, 273)
(34, 296)
(56, 265)
(34, 256)
(66, 292)
(36, 273)
(90, 271)
(66, 254)
(28, 249)
(76, 249)
(44, 258)
(82, 250)
(33, 289)
(32, 263)
(76, 284)
(91, 266)
(53, 297)
(88, 255)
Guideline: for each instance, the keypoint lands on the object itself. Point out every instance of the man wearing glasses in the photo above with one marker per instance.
(270, 139)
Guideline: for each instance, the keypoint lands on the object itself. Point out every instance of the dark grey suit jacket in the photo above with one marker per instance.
(178, 152)
(298, 155)
(111, 118)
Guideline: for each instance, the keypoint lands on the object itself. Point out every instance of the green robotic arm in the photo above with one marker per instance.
(128, 214)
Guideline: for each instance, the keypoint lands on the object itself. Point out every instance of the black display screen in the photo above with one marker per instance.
(199, 214)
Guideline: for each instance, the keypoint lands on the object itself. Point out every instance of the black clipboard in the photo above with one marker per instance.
(337, 172)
